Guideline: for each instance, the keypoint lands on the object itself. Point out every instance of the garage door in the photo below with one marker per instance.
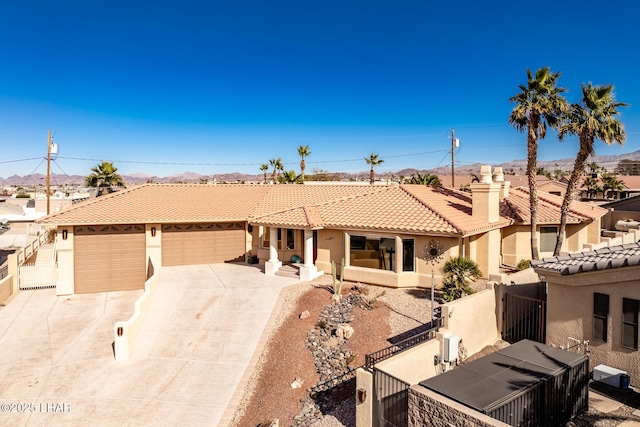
(109, 258)
(190, 244)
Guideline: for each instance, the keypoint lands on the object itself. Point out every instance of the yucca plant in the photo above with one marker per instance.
(459, 272)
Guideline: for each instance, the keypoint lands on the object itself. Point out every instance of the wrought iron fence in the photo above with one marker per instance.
(390, 400)
(380, 355)
(524, 318)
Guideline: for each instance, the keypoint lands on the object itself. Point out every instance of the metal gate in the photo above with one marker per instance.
(390, 400)
(524, 318)
(37, 276)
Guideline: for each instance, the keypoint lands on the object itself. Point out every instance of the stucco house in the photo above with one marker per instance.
(380, 231)
(593, 297)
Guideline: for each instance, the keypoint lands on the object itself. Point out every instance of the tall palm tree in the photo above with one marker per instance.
(104, 176)
(373, 160)
(539, 104)
(277, 168)
(594, 117)
(264, 168)
(303, 151)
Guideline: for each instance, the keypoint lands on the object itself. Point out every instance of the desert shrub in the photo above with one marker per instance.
(523, 264)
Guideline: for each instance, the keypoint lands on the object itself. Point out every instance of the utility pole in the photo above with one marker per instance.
(453, 146)
(48, 171)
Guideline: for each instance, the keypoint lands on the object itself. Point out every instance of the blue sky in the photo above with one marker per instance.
(214, 87)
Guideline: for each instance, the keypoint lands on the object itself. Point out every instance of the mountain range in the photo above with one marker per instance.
(517, 166)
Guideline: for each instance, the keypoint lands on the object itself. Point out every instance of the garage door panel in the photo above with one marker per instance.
(109, 258)
(191, 244)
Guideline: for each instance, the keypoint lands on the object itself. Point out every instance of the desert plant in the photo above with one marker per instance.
(523, 264)
(337, 285)
(368, 302)
(459, 273)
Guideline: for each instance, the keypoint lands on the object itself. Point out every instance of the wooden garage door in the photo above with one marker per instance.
(109, 258)
(190, 244)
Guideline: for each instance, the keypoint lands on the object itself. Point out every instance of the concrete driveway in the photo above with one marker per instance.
(199, 337)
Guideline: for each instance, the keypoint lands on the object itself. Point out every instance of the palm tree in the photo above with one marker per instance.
(303, 151)
(277, 168)
(593, 188)
(264, 168)
(426, 179)
(459, 272)
(610, 182)
(373, 160)
(539, 104)
(289, 177)
(104, 176)
(594, 117)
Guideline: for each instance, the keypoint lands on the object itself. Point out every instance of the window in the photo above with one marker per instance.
(289, 234)
(266, 236)
(548, 238)
(372, 252)
(630, 323)
(290, 239)
(600, 316)
(408, 261)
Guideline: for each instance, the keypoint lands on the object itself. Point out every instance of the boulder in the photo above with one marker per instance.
(344, 330)
(304, 314)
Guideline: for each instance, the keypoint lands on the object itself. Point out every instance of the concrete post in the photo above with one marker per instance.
(308, 271)
(273, 265)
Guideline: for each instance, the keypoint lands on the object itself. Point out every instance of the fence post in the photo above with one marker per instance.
(12, 259)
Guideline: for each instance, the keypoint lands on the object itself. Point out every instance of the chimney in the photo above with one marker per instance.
(498, 177)
(485, 196)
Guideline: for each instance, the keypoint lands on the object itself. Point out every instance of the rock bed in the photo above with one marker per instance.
(330, 355)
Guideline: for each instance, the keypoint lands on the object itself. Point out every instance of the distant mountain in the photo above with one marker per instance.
(518, 166)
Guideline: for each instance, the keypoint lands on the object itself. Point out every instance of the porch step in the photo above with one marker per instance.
(288, 271)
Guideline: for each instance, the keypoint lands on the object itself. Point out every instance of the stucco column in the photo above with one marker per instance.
(273, 265)
(308, 248)
(308, 271)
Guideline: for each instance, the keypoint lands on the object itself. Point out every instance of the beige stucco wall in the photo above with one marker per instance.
(415, 364)
(473, 319)
(570, 314)
(485, 249)
(6, 288)
(66, 269)
(364, 410)
(427, 408)
(330, 248)
(154, 246)
(613, 216)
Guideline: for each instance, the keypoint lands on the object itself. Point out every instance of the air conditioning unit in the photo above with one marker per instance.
(450, 342)
(608, 375)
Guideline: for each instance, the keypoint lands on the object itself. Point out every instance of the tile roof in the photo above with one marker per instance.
(517, 207)
(405, 208)
(454, 206)
(600, 259)
(164, 203)
(382, 208)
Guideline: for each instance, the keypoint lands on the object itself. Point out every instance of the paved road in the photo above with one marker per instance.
(196, 343)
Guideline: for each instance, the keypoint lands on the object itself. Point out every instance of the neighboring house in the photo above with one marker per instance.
(594, 296)
(380, 231)
(630, 183)
(625, 210)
